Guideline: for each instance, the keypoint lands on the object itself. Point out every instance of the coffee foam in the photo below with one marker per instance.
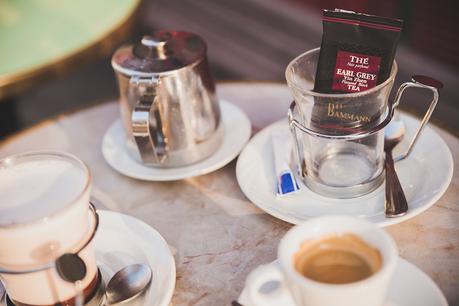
(33, 189)
(337, 258)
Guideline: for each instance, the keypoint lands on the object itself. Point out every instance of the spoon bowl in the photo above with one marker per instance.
(128, 283)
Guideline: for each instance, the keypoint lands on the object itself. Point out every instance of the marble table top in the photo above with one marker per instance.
(216, 234)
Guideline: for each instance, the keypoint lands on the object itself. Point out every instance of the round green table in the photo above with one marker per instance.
(42, 38)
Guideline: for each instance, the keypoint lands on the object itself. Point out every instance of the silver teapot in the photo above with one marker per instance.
(169, 109)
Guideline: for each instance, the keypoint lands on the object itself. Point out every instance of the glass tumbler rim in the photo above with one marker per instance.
(15, 158)
(304, 91)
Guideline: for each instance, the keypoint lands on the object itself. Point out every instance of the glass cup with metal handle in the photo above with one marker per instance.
(44, 214)
(339, 138)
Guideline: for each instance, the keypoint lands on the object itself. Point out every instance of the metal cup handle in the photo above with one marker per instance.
(295, 125)
(149, 134)
(419, 81)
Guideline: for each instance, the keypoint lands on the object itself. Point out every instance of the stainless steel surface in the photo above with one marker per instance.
(100, 293)
(79, 297)
(151, 142)
(354, 136)
(425, 82)
(163, 51)
(128, 283)
(169, 109)
(396, 204)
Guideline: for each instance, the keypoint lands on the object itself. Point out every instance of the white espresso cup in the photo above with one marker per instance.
(45, 213)
(303, 291)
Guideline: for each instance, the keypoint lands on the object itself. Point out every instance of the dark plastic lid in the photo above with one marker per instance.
(161, 52)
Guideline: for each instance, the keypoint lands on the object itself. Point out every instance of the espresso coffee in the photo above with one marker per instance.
(337, 259)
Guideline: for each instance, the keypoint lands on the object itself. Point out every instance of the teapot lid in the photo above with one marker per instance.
(161, 52)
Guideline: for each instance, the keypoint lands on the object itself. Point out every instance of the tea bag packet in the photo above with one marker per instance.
(356, 54)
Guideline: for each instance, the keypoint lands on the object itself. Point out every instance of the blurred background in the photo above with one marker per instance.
(248, 40)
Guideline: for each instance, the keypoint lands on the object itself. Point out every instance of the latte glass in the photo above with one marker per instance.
(44, 213)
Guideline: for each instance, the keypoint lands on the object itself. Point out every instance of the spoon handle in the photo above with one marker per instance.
(79, 297)
(396, 204)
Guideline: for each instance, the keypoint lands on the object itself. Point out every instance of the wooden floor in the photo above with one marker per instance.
(247, 40)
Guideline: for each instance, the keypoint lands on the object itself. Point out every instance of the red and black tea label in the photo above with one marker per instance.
(357, 51)
(356, 54)
(355, 72)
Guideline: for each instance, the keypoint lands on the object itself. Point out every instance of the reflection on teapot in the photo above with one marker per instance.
(169, 109)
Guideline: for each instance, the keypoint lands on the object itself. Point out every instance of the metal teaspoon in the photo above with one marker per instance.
(396, 204)
(128, 283)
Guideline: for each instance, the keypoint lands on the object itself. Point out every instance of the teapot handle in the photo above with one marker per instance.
(149, 134)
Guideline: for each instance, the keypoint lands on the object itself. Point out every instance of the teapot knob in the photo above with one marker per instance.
(155, 43)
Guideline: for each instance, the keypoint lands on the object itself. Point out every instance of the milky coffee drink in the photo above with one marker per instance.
(337, 259)
(44, 212)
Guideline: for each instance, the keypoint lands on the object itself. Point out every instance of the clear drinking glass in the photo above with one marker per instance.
(339, 138)
(45, 213)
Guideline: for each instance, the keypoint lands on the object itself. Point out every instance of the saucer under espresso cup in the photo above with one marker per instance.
(236, 133)
(357, 241)
(409, 286)
(425, 175)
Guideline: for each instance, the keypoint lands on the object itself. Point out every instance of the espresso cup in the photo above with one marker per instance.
(303, 291)
(45, 213)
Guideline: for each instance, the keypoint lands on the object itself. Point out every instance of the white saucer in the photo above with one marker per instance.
(409, 286)
(237, 130)
(424, 175)
(122, 240)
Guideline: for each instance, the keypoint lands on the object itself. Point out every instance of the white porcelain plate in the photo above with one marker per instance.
(237, 130)
(409, 287)
(424, 175)
(122, 240)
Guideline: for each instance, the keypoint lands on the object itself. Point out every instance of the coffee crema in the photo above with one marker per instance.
(337, 259)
